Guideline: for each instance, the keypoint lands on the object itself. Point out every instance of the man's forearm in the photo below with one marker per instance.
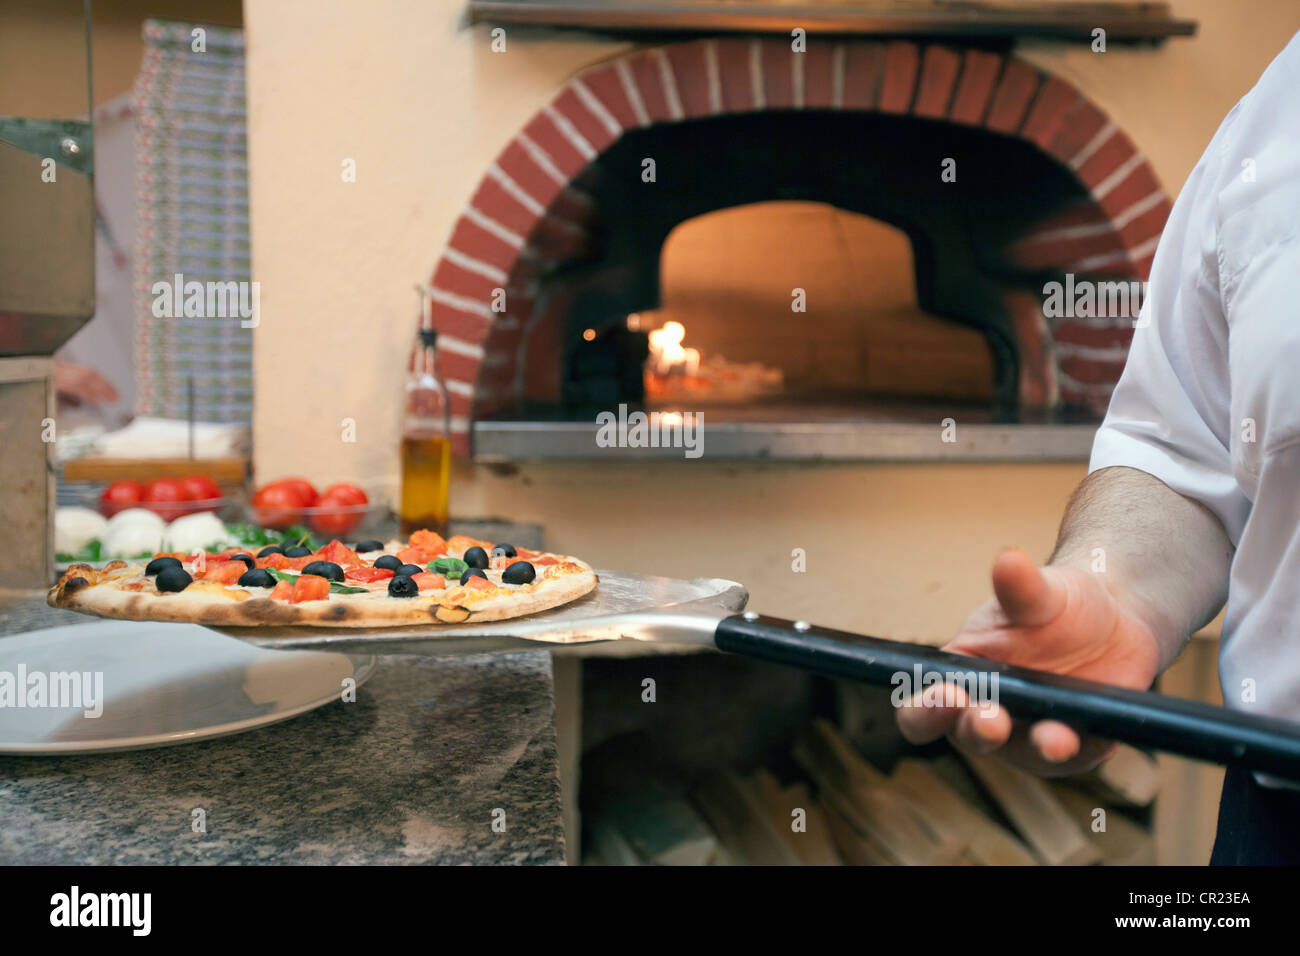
(1164, 556)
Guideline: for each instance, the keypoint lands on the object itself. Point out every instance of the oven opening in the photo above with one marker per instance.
(797, 265)
(791, 309)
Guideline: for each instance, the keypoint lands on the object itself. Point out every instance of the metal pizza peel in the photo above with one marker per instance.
(706, 612)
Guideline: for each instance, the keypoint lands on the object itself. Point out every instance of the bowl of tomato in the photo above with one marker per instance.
(169, 498)
(335, 512)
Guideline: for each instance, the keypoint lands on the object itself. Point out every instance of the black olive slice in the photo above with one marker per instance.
(325, 569)
(521, 572)
(401, 586)
(158, 564)
(173, 579)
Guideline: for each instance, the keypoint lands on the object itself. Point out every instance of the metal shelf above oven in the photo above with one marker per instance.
(861, 441)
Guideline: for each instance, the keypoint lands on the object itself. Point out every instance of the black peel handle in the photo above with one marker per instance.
(1143, 718)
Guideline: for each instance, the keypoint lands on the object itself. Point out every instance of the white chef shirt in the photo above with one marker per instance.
(1215, 357)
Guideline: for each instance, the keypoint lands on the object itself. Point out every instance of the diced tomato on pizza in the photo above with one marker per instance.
(415, 556)
(225, 572)
(430, 542)
(339, 553)
(367, 575)
(309, 587)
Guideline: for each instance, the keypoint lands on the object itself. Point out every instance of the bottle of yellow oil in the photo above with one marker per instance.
(426, 443)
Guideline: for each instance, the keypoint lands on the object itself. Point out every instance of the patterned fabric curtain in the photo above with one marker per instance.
(192, 277)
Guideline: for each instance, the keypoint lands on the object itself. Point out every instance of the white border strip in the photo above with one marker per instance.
(714, 75)
(839, 57)
(756, 91)
(488, 224)
(596, 108)
(460, 303)
(631, 91)
(1094, 144)
(515, 191)
(563, 124)
(796, 78)
(470, 264)
(1108, 184)
(541, 158)
(668, 80)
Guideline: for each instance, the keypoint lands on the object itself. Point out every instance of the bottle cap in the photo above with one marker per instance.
(428, 337)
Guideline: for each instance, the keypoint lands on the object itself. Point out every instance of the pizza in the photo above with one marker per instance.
(426, 580)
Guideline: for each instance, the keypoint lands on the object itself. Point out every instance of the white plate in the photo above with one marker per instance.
(162, 684)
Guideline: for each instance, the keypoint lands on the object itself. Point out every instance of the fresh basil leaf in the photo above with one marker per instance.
(249, 534)
(448, 567)
(336, 588)
(93, 551)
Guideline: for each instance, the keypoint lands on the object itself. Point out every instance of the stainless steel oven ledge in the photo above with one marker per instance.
(507, 441)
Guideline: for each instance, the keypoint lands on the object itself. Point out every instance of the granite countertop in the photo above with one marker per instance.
(411, 772)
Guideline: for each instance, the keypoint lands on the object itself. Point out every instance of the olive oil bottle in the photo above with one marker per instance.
(426, 443)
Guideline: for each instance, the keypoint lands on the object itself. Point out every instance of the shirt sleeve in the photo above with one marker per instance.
(1170, 413)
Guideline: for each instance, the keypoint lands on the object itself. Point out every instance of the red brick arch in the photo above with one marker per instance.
(527, 217)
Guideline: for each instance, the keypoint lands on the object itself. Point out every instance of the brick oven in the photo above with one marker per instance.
(562, 238)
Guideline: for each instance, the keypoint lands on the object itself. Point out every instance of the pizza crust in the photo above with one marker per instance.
(100, 593)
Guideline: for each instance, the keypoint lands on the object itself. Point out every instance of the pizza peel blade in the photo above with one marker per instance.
(624, 606)
(704, 612)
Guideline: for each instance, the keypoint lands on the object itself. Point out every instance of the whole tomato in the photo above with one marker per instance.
(201, 489)
(305, 489)
(119, 496)
(278, 505)
(339, 510)
(344, 494)
(166, 498)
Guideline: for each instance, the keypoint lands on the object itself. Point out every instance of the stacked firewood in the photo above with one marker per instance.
(843, 809)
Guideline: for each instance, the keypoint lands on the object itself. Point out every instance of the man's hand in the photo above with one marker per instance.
(1164, 561)
(82, 384)
(1058, 619)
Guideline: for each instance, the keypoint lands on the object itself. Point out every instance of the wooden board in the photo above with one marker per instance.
(814, 845)
(865, 797)
(741, 821)
(1122, 842)
(987, 842)
(1036, 813)
(851, 845)
(608, 847)
(661, 829)
(224, 471)
(1130, 777)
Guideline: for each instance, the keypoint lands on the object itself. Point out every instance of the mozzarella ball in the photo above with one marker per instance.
(195, 532)
(131, 516)
(132, 538)
(74, 528)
